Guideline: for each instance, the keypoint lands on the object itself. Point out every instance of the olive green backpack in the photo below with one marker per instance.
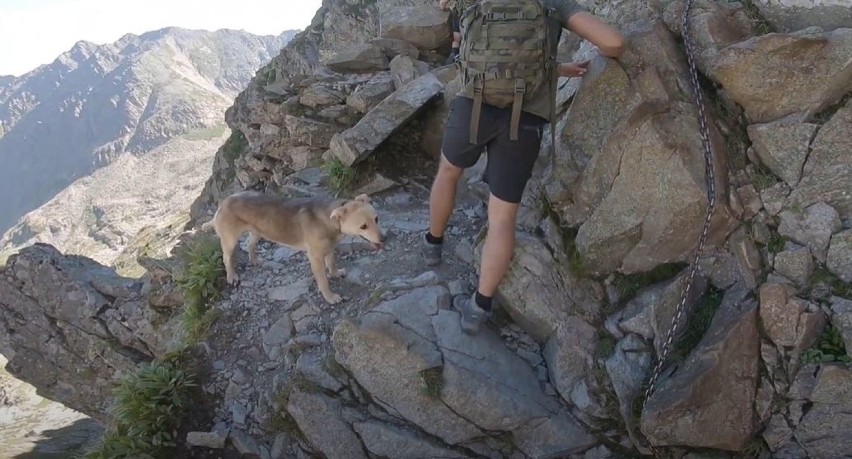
(506, 54)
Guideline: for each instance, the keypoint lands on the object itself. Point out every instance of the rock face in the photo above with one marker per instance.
(93, 329)
(426, 27)
(629, 126)
(801, 14)
(777, 75)
(688, 405)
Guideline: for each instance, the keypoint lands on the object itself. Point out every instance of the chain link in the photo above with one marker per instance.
(710, 179)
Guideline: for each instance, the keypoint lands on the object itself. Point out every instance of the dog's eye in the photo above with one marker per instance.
(377, 219)
(364, 226)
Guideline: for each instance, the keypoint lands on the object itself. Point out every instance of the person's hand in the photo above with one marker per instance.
(573, 69)
(443, 4)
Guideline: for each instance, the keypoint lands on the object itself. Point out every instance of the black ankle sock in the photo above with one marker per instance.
(483, 301)
(434, 240)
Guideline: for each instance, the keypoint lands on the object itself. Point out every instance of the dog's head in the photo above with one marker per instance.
(358, 218)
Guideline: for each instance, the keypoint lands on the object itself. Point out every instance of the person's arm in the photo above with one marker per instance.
(597, 32)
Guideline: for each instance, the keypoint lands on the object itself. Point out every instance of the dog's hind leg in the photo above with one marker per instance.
(331, 264)
(318, 268)
(229, 241)
(252, 247)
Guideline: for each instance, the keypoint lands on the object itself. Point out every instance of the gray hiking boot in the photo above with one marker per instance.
(431, 252)
(472, 316)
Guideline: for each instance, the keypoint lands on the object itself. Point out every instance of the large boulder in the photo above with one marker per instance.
(827, 173)
(360, 58)
(72, 328)
(714, 390)
(426, 27)
(776, 75)
(783, 146)
(630, 172)
(795, 15)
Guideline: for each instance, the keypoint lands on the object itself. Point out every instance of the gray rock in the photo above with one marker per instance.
(368, 95)
(811, 227)
(278, 334)
(789, 321)
(320, 95)
(245, 443)
(213, 440)
(774, 197)
(291, 292)
(405, 70)
(776, 75)
(628, 368)
(795, 263)
(309, 132)
(570, 355)
(54, 319)
(238, 413)
(311, 367)
(839, 259)
(386, 440)
(725, 361)
(484, 381)
(783, 147)
(388, 351)
(358, 142)
(826, 428)
(359, 58)
(750, 199)
(426, 27)
(393, 47)
(841, 310)
(377, 184)
(556, 436)
(801, 14)
(631, 216)
(320, 420)
(827, 174)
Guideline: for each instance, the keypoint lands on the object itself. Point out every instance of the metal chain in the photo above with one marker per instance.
(711, 197)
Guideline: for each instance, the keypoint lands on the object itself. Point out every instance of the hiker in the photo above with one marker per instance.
(512, 134)
(455, 16)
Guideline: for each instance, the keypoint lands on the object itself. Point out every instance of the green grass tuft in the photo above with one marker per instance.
(200, 280)
(433, 378)
(148, 410)
(342, 176)
(829, 348)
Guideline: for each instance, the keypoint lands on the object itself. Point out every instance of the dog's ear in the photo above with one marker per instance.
(339, 213)
(363, 198)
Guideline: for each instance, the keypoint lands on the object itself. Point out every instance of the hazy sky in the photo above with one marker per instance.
(35, 32)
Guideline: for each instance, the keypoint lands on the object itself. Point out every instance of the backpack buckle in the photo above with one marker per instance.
(520, 86)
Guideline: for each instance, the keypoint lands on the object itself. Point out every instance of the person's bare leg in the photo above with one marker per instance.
(499, 245)
(496, 257)
(442, 197)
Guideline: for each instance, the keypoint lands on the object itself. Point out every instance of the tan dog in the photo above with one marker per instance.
(313, 225)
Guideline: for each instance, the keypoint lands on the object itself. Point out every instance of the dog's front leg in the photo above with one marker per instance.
(331, 264)
(318, 268)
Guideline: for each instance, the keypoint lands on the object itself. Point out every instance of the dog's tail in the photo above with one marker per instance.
(207, 225)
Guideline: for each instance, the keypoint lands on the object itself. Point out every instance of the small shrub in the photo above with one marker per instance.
(776, 243)
(433, 378)
(342, 176)
(199, 280)
(698, 324)
(829, 348)
(148, 409)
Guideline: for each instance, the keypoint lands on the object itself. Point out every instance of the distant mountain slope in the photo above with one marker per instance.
(94, 103)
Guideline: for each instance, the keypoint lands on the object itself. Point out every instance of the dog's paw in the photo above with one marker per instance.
(334, 298)
(234, 281)
(339, 273)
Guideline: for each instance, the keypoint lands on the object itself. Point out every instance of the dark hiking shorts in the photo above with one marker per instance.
(455, 20)
(510, 163)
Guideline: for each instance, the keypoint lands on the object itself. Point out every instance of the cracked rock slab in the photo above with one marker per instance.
(689, 404)
(387, 350)
(320, 420)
